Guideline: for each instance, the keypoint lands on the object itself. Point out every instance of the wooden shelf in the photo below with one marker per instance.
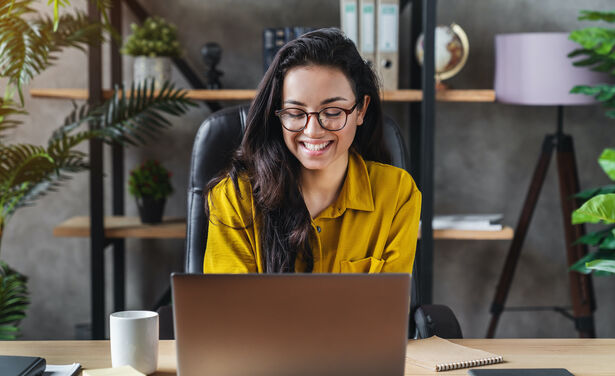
(124, 227)
(175, 228)
(505, 234)
(247, 95)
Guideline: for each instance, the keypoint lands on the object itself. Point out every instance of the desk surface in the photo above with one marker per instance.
(582, 357)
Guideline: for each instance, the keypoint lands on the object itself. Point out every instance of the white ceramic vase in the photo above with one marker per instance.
(157, 68)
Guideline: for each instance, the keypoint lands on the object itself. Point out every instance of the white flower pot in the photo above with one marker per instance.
(157, 68)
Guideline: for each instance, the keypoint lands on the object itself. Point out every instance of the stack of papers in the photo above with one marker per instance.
(62, 370)
(117, 371)
(475, 222)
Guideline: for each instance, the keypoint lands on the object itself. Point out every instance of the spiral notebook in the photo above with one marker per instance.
(438, 354)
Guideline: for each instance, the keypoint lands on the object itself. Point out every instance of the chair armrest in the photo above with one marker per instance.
(436, 319)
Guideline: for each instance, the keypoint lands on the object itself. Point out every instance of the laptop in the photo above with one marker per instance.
(291, 324)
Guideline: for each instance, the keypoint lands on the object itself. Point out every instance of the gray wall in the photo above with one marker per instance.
(485, 154)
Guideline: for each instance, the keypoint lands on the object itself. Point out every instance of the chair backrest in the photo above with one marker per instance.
(215, 141)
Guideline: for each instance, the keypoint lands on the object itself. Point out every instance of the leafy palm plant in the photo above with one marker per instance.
(598, 52)
(28, 42)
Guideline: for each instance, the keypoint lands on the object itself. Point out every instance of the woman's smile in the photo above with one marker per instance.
(316, 147)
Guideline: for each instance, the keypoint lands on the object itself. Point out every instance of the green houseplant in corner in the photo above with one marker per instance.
(150, 184)
(598, 51)
(28, 43)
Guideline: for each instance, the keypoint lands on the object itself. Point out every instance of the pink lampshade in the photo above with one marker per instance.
(534, 69)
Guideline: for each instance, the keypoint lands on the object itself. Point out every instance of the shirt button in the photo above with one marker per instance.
(318, 229)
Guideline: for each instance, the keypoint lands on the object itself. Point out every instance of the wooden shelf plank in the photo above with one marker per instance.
(124, 227)
(175, 228)
(505, 234)
(247, 95)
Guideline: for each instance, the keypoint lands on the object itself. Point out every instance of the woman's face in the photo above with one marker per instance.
(312, 88)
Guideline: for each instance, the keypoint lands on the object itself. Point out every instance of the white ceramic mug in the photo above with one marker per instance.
(134, 340)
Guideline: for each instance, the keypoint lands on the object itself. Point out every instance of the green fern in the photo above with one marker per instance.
(27, 43)
(13, 301)
(132, 116)
(7, 110)
(28, 172)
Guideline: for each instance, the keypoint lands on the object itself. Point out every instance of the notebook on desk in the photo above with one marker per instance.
(291, 324)
(439, 354)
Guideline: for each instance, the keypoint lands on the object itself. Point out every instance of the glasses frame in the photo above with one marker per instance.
(317, 113)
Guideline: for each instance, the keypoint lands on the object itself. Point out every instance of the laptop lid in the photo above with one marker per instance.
(291, 324)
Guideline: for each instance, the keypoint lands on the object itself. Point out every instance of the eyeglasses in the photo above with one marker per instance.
(330, 118)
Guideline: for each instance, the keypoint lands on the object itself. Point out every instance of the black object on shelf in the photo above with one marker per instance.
(150, 209)
(212, 53)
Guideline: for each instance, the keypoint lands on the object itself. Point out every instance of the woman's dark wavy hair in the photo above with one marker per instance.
(272, 170)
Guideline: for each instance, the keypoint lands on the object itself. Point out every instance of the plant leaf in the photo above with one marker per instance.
(591, 15)
(7, 110)
(595, 238)
(607, 161)
(603, 265)
(597, 209)
(27, 44)
(581, 267)
(589, 193)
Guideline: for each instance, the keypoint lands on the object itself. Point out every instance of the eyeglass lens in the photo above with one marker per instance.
(331, 118)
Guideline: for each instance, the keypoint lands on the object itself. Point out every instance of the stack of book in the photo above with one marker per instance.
(276, 37)
(471, 222)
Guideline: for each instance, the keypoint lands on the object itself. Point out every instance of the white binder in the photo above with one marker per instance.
(367, 30)
(387, 47)
(349, 12)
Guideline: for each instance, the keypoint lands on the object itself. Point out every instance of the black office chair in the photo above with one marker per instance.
(215, 141)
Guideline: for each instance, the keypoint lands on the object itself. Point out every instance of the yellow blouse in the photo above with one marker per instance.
(372, 227)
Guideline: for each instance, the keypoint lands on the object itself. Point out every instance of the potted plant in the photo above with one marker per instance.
(153, 44)
(599, 54)
(150, 184)
(28, 171)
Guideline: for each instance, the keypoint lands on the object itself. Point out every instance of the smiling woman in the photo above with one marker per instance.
(309, 189)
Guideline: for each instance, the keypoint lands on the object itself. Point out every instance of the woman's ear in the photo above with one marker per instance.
(362, 110)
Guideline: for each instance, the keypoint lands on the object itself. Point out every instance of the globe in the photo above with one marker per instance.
(451, 50)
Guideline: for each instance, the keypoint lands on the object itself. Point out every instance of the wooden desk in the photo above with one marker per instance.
(582, 357)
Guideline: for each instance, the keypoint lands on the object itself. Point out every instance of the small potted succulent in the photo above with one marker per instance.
(150, 184)
(153, 45)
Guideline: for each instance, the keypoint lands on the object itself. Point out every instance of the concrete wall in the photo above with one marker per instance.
(485, 154)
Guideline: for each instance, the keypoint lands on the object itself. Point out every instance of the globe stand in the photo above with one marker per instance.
(440, 86)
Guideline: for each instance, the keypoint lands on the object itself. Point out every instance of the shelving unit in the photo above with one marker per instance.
(117, 227)
(103, 231)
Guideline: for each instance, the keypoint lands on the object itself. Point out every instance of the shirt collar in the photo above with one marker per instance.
(356, 192)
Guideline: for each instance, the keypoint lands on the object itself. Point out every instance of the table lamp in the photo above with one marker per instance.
(534, 69)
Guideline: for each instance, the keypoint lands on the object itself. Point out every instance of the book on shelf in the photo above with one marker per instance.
(387, 43)
(349, 22)
(275, 38)
(475, 222)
